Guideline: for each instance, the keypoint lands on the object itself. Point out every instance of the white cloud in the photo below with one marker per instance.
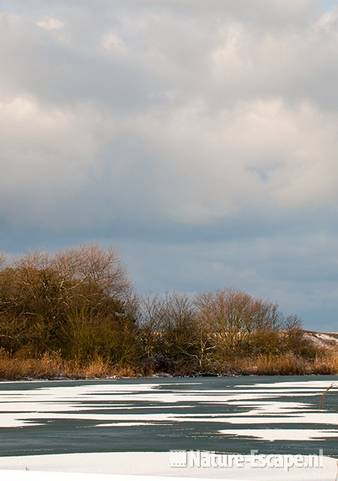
(47, 155)
(113, 43)
(328, 21)
(50, 23)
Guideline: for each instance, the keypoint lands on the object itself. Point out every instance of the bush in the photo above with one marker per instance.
(74, 313)
(77, 302)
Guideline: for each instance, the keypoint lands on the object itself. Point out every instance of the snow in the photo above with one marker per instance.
(323, 340)
(282, 434)
(33, 406)
(140, 466)
(269, 405)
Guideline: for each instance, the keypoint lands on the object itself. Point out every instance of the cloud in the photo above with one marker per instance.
(50, 24)
(113, 43)
(177, 129)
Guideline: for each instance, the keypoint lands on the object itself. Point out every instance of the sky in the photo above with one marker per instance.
(200, 139)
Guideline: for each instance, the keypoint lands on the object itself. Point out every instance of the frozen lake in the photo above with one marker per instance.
(271, 414)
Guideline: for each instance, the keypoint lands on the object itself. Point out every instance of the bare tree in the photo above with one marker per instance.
(93, 264)
(233, 316)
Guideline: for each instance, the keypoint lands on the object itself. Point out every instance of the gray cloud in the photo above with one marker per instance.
(200, 138)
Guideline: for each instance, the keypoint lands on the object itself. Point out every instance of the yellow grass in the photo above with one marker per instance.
(288, 364)
(52, 366)
(327, 364)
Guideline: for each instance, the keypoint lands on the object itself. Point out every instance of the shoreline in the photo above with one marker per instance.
(120, 378)
(158, 376)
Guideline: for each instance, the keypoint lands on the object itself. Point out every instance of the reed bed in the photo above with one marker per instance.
(53, 367)
(288, 364)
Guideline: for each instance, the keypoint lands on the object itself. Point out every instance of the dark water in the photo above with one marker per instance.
(59, 405)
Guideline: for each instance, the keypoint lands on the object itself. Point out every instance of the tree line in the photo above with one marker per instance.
(80, 305)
